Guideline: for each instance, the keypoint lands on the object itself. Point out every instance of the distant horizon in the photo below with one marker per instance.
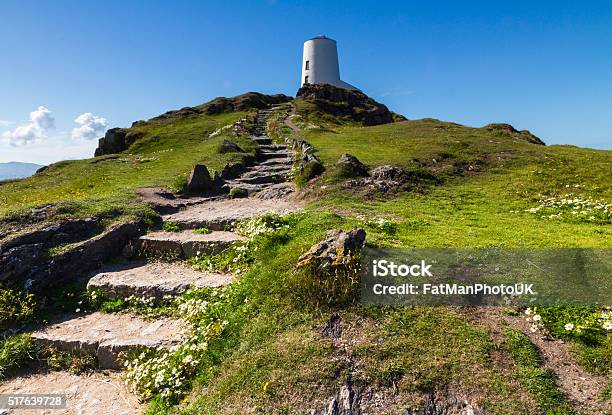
(538, 67)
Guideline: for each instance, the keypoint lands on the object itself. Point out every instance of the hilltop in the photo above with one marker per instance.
(276, 337)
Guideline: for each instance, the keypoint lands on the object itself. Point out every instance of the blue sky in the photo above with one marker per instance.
(544, 66)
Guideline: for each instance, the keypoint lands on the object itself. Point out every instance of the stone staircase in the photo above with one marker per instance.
(205, 228)
(273, 161)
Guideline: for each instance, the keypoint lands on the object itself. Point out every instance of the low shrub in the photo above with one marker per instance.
(171, 227)
(15, 306)
(202, 231)
(16, 351)
(238, 192)
(334, 284)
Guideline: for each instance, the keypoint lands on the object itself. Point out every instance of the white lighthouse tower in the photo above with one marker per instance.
(320, 63)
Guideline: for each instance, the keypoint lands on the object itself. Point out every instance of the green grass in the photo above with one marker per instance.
(538, 380)
(482, 207)
(272, 356)
(106, 185)
(473, 188)
(15, 306)
(16, 351)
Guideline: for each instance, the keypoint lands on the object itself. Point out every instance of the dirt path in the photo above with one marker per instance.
(289, 123)
(583, 389)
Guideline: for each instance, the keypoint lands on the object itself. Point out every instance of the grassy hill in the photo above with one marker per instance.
(477, 183)
(469, 187)
(163, 156)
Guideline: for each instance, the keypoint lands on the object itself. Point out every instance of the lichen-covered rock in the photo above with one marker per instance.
(199, 180)
(512, 132)
(386, 179)
(343, 102)
(350, 166)
(337, 243)
(328, 274)
(389, 173)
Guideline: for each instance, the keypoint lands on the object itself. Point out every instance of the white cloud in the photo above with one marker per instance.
(90, 126)
(35, 130)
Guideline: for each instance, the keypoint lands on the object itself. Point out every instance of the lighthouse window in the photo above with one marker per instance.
(307, 65)
(306, 79)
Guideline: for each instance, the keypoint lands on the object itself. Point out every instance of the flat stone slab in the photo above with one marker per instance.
(256, 177)
(86, 393)
(106, 335)
(217, 215)
(166, 201)
(187, 243)
(152, 279)
(277, 162)
(276, 192)
(274, 156)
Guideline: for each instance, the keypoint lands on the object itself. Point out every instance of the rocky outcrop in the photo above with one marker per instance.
(56, 234)
(389, 180)
(28, 264)
(20, 254)
(350, 166)
(116, 140)
(231, 171)
(199, 180)
(510, 131)
(343, 102)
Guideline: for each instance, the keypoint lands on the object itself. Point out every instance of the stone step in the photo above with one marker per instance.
(262, 141)
(152, 279)
(273, 155)
(106, 335)
(283, 161)
(272, 147)
(275, 192)
(187, 243)
(99, 393)
(271, 169)
(219, 215)
(257, 178)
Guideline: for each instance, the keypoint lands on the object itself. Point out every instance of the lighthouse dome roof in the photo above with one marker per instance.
(322, 37)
